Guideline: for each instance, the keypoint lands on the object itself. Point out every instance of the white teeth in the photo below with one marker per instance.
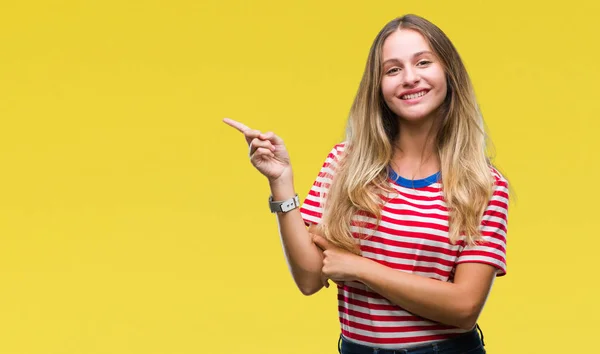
(413, 95)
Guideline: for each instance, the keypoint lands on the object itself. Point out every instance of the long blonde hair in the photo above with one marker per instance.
(361, 175)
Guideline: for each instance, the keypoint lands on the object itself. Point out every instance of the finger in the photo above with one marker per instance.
(237, 125)
(324, 280)
(272, 138)
(251, 134)
(312, 237)
(321, 242)
(261, 154)
(256, 143)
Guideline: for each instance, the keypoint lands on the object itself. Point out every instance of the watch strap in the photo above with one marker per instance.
(284, 206)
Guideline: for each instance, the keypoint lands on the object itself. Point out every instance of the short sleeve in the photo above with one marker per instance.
(312, 207)
(493, 228)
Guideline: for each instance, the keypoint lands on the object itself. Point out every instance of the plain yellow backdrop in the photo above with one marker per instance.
(132, 222)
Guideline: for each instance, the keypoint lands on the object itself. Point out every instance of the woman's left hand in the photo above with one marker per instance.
(339, 265)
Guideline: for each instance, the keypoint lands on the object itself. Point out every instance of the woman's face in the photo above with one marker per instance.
(413, 82)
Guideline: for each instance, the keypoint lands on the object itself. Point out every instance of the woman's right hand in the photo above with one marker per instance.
(267, 151)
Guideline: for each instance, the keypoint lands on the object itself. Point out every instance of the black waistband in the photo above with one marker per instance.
(469, 340)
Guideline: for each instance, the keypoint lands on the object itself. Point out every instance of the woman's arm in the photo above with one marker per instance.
(303, 257)
(270, 157)
(456, 304)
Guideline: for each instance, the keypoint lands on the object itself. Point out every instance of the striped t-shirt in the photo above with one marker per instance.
(412, 237)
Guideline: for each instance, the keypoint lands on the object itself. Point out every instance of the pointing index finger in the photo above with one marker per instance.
(235, 124)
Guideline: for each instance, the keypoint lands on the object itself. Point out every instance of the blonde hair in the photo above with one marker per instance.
(361, 175)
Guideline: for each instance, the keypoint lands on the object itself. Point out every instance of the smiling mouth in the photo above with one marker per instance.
(412, 96)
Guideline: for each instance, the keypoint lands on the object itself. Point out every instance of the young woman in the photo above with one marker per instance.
(407, 215)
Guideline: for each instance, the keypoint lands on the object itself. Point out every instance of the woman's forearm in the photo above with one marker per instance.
(303, 257)
(436, 300)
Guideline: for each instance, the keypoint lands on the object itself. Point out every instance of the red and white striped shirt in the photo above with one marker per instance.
(412, 237)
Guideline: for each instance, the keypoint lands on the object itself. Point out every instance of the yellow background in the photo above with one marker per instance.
(132, 222)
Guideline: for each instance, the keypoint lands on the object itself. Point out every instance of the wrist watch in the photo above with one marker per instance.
(283, 206)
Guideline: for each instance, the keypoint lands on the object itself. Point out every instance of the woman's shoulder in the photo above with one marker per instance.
(338, 150)
(499, 179)
(340, 147)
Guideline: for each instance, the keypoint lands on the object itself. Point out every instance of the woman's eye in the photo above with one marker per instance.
(393, 71)
(424, 62)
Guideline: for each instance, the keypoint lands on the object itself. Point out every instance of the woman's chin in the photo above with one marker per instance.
(414, 117)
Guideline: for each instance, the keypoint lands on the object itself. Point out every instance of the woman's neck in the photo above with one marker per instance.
(415, 154)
